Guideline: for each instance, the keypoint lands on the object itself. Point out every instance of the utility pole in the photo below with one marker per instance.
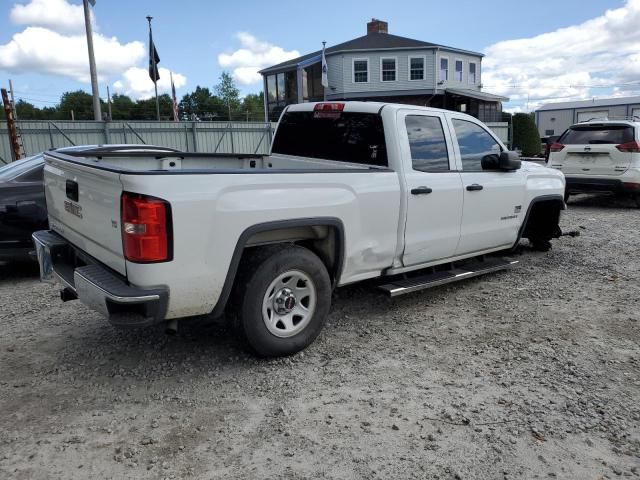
(11, 126)
(13, 101)
(109, 103)
(97, 114)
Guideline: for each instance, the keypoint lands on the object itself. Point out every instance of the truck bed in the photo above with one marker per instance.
(186, 162)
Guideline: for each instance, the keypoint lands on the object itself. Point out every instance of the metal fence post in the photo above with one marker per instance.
(186, 138)
(195, 136)
(124, 132)
(107, 135)
(231, 134)
(50, 135)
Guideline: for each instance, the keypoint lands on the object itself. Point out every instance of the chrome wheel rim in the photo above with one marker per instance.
(289, 303)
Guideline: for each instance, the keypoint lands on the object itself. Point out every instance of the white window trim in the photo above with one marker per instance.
(456, 60)
(475, 81)
(424, 68)
(395, 59)
(353, 69)
(440, 68)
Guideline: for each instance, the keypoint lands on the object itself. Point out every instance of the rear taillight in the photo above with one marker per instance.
(145, 228)
(556, 147)
(633, 147)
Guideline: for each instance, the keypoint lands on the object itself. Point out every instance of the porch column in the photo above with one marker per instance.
(300, 85)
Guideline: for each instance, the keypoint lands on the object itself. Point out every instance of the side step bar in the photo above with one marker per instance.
(434, 279)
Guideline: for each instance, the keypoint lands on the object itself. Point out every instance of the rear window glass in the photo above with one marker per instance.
(594, 134)
(351, 137)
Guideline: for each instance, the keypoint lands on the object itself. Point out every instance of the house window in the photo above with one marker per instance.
(361, 71)
(444, 69)
(388, 69)
(458, 77)
(416, 68)
(472, 73)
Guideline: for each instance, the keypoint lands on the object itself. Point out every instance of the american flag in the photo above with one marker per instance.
(174, 101)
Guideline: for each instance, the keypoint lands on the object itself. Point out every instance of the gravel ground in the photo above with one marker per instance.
(531, 373)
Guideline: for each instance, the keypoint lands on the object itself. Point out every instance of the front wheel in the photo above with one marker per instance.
(283, 295)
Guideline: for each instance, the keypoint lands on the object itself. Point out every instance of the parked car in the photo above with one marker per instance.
(599, 156)
(22, 202)
(414, 196)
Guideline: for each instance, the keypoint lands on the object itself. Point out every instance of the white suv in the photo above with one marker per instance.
(599, 156)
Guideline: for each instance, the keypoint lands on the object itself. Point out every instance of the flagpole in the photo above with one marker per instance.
(97, 114)
(155, 68)
(324, 89)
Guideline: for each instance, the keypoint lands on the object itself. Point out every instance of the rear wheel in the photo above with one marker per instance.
(566, 196)
(282, 299)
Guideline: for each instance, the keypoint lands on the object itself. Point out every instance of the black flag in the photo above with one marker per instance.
(154, 60)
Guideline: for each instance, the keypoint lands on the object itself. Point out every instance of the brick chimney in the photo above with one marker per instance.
(377, 26)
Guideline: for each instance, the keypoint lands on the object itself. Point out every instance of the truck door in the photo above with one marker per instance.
(492, 211)
(433, 187)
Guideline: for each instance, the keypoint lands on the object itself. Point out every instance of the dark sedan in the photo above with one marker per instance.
(22, 204)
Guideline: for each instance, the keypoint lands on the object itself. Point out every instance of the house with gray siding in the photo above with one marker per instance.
(555, 118)
(383, 67)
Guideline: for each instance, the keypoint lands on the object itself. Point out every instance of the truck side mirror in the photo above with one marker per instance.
(490, 162)
(509, 161)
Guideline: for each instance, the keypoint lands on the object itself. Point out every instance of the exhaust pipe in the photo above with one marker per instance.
(172, 327)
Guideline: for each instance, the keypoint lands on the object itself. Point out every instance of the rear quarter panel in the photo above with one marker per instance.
(211, 211)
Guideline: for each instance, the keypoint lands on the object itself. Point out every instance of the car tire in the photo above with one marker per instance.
(540, 244)
(281, 299)
(567, 194)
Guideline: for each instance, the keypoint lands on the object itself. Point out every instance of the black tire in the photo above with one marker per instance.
(260, 267)
(567, 194)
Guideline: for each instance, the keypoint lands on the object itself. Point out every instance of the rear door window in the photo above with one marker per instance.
(597, 134)
(427, 143)
(347, 137)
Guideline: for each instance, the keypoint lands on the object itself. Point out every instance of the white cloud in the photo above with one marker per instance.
(56, 15)
(40, 50)
(137, 84)
(253, 56)
(54, 42)
(569, 62)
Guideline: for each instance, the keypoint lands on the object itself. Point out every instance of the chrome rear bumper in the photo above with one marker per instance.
(97, 286)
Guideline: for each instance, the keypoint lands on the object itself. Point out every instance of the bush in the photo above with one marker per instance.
(525, 135)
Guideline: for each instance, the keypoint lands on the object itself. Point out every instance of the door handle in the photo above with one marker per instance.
(474, 187)
(421, 190)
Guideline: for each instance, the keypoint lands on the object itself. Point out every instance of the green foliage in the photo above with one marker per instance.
(81, 103)
(525, 134)
(201, 104)
(228, 92)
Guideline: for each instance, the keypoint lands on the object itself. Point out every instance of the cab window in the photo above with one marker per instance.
(427, 143)
(474, 142)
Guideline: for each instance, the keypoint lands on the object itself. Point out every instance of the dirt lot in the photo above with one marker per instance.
(532, 373)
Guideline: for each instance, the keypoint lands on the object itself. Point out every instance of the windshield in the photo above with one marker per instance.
(597, 134)
(19, 167)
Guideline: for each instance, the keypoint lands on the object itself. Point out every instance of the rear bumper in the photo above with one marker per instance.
(95, 285)
(578, 184)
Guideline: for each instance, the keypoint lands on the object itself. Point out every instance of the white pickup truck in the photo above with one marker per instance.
(351, 191)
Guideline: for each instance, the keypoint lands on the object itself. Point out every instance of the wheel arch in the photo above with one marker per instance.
(324, 236)
(537, 203)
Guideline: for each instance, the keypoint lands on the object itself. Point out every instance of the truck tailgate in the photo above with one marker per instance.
(84, 207)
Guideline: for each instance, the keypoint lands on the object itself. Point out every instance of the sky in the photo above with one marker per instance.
(536, 52)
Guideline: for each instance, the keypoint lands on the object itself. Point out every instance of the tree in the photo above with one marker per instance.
(525, 135)
(253, 107)
(81, 103)
(27, 111)
(228, 93)
(121, 107)
(146, 109)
